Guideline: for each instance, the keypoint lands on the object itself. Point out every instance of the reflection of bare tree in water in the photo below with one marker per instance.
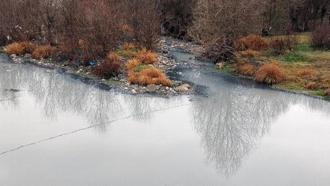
(56, 93)
(232, 121)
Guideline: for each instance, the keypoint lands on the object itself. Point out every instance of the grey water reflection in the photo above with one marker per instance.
(232, 121)
(236, 113)
(57, 93)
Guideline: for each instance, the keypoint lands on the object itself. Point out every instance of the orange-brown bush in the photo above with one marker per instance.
(15, 48)
(307, 73)
(249, 53)
(281, 45)
(252, 42)
(327, 92)
(147, 56)
(132, 63)
(109, 68)
(149, 76)
(42, 52)
(270, 73)
(246, 69)
(19, 48)
(311, 86)
(129, 46)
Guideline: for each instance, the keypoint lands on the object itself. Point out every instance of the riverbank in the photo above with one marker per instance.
(299, 68)
(119, 83)
(316, 60)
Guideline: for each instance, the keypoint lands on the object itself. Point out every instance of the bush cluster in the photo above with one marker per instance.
(142, 72)
(110, 67)
(281, 45)
(251, 42)
(270, 73)
(321, 37)
(221, 49)
(80, 29)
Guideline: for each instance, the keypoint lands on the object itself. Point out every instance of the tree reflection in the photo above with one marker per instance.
(231, 121)
(57, 93)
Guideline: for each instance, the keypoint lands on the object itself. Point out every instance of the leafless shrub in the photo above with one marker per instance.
(221, 49)
(102, 25)
(321, 37)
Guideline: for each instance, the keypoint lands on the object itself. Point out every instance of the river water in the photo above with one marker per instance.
(58, 130)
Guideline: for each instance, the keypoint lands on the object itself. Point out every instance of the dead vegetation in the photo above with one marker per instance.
(143, 74)
(42, 52)
(251, 42)
(246, 69)
(19, 48)
(110, 67)
(289, 63)
(270, 73)
(146, 56)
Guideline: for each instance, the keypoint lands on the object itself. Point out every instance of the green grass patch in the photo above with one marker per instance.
(140, 67)
(293, 57)
(318, 93)
(126, 53)
(303, 48)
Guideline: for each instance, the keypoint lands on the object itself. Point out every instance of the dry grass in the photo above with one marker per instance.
(132, 64)
(270, 73)
(42, 52)
(246, 69)
(147, 56)
(327, 92)
(129, 46)
(249, 53)
(20, 48)
(252, 42)
(304, 38)
(110, 67)
(311, 86)
(128, 50)
(112, 57)
(282, 45)
(148, 76)
(307, 73)
(312, 74)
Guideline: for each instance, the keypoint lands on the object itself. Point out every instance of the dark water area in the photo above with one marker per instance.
(59, 130)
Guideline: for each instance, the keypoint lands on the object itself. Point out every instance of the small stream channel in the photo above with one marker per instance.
(59, 130)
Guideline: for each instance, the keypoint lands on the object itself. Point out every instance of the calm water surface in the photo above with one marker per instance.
(56, 130)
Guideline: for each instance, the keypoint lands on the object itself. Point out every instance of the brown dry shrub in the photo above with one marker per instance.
(112, 57)
(311, 86)
(327, 92)
(132, 63)
(110, 67)
(270, 73)
(129, 46)
(42, 52)
(246, 69)
(149, 76)
(321, 37)
(19, 48)
(249, 53)
(281, 45)
(220, 49)
(147, 56)
(252, 42)
(307, 73)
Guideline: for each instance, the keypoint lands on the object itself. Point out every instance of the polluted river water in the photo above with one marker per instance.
(58, 130)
